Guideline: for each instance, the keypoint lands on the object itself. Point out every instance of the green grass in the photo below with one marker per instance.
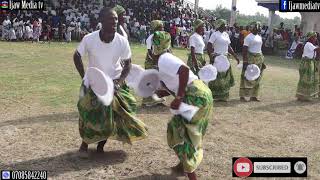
(39, 90)
(45, 73)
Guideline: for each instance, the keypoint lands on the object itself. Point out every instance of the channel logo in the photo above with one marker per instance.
(284, 5)
(4, 4)
(5, 175)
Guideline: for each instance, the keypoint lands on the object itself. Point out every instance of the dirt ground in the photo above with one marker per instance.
(39, 137)
(49, 140)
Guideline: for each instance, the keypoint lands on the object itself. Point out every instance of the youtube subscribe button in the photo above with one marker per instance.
(269, 167)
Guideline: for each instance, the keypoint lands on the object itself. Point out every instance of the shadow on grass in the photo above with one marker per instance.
(281, 105)
(73, 116)
(281, 62)
(229, 103)
(158, 109)
(155, 177)
(70, 161)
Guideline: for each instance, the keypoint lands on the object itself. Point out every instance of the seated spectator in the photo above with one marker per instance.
(292, 51)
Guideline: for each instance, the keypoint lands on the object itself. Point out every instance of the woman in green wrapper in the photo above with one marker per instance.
(156, 25)
(196, 58)
(98, 122)
(120, 12)
(308, 86)
(120, 29)
(252, 54)
(184, 137)
(219, 44)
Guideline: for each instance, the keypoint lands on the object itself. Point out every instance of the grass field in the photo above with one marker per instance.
(39, 128)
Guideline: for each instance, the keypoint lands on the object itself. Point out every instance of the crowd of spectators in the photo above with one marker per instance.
(71, 20)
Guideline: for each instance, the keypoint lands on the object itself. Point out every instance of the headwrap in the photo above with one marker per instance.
(255, 24)
(219, 22)
(161, 42)
(197, 23)
(311, 34)
(156, 25)
(119, 9)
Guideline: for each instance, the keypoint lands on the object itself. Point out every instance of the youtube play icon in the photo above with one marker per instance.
(242, 167)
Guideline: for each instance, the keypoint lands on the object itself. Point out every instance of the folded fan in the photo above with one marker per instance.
(101, 84)
(208, 73)
(147, 83)
(221, 63)
(134, 75)
(252, 72)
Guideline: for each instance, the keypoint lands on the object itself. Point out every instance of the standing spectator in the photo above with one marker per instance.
(121, 12)
(29, 32)
(143, 33)
(236, 45)
(12, 33)
(243, 34)
(20, 31)
(68, 33)
(6, 28)
(173, 33)
(36, 30)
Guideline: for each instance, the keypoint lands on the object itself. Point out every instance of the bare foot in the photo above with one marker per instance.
(100, 146)
(83, 150)
(192, 176)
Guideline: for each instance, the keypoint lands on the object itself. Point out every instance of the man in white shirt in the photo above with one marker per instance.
(106, 49)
